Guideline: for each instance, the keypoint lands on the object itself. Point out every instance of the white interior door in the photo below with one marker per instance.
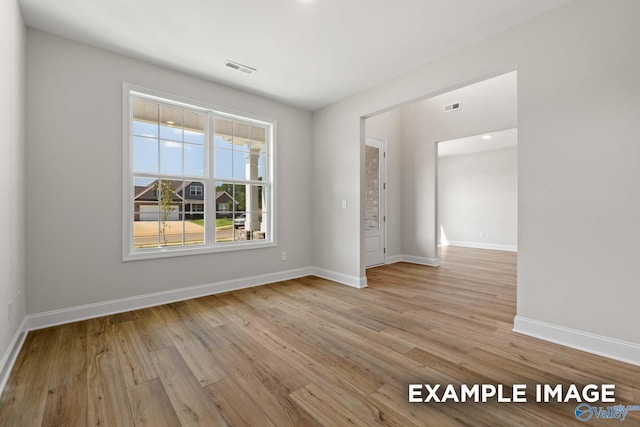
(374, 208)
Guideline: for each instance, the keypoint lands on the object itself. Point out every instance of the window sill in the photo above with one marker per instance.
(157, 253)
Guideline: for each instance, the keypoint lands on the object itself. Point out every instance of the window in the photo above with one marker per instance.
(196, 179)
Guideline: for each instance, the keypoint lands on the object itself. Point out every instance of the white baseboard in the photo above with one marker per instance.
(612, 348)
(353, 281)
(431, 262)
(10, 356)
(392, 259)
(89, 311)
(475, 245)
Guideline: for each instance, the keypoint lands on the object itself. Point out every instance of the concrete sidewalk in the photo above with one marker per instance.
(150, 228)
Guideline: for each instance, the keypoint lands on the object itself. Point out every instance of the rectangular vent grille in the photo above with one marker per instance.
(240, 67)
(452, 107)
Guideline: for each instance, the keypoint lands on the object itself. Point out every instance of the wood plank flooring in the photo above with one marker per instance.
(308, 352)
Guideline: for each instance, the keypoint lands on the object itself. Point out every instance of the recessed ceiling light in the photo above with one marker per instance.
(487, 136)
(171, 122)
(240, 67)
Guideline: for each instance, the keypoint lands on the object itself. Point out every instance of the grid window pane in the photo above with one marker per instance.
(240, 165)
(193, 160)
(194, 202)
(262, 168)
(145, 225)
(224, 197)
(141, 128)
(226, 206)
(171, 157)
(144, 118)
(145, 154)
(171, 210)
(241, 136)
(223, 164)
(258, 139)
(240, 197)
(146, 213)
(240, 226)
(194, 127)
(224, 134)
(171, 122)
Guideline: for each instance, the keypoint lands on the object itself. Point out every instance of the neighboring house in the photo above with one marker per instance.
(188, 201)
(224, 204)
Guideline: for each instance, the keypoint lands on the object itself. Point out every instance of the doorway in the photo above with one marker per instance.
(477, 191)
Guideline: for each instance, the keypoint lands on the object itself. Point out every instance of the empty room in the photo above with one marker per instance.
(319, 213)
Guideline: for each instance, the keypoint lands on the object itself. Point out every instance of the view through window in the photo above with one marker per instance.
(199, 178)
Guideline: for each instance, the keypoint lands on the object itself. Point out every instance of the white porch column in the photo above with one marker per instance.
(252, 222)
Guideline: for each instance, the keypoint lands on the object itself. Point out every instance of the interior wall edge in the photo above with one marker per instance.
(11, 354)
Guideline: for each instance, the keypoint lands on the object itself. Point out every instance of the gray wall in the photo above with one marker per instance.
(578, 103)
(12, 248)
(74, 179)
(478, 194)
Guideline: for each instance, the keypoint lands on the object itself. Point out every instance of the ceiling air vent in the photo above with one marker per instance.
(240, 67)
(452, 107)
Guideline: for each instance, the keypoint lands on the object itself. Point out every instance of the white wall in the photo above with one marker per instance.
(388, 126)
(578, 103)
(12, 169)
(478, 194)
(74, 164)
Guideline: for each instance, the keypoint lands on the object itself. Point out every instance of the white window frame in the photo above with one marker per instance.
(212, 112)
(196, 190)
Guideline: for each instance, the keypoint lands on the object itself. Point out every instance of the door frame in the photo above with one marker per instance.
(383, 194)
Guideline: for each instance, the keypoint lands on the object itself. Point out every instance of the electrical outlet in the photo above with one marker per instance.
(10, 308)
(344, 205)
(284, 255)
(482, 234)
(19, 302)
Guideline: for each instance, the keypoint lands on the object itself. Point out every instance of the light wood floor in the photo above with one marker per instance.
(307, 352)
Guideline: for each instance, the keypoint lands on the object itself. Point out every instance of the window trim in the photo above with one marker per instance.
(128, 253)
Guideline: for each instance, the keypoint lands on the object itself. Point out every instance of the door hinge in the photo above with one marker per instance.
(384, 186)
(384, 218)
(384, 250)
(384, 154)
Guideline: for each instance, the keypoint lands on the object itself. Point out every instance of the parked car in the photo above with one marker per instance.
(238, 222)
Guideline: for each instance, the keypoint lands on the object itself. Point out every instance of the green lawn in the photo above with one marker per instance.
(220, 222)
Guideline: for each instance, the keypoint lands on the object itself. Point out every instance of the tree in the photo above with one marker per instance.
(165, 199)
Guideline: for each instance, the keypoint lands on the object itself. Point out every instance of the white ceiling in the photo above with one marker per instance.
(475, 144)
(308, 53)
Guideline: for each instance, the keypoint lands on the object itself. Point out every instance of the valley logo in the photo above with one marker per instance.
(584, 412)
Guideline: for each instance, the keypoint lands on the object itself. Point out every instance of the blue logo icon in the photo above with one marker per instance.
(584, 412)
